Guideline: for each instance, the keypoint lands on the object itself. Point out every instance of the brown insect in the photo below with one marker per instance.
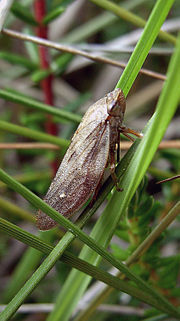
(93, 147)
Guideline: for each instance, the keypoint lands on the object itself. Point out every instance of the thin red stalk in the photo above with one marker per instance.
(46, 83)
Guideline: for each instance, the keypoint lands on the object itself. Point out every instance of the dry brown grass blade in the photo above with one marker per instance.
(124, 145)
(74, 51)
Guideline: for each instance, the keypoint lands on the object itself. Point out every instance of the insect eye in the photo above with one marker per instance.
(116, 103)
(113, 108)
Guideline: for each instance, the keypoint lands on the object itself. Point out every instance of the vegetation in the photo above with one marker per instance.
(46, 86)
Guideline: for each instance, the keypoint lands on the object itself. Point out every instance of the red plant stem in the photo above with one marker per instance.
(46, 83)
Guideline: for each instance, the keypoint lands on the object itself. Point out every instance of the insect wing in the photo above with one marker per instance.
(81, 169)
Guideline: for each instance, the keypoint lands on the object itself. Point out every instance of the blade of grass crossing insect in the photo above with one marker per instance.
(77, 282)
(154, 133)
(103, 230)
(156, 128)
(59, 249)
(69, 224)
(78, 233)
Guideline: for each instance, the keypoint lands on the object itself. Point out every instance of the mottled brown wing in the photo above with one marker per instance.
(80, 171)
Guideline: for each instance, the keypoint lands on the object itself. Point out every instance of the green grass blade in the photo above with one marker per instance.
(141, 249)
(53, 14)
(32, 133)
(27, 264)
(143, 155)
(74, 231)
(98, 23)
(130, 191)
(156, 128)
(30, 285)
(17, 60)
(105, 226)
(9, 207)
(69, 258)
(23, 13)
(131, 17)
(55, 254)
(32, 103)
(29, 177)
(153, 25)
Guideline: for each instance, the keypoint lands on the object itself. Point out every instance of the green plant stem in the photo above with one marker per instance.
(119, 202)
(53, 14)
(100, 22)
(154, 133)
(161, 118)
(158, 173)
(26, 101)
(30, 177)
(99, 233)
(22, 13)
(16, 210)
(130, 192)
(142, 248)
(74, 231)
(75, 262)
(151, 30)
(18, 60)
(81, 265)
(29, 286)
(131, 17)
(34, 134)
(29, 261)
(103, 193)
(165, 222)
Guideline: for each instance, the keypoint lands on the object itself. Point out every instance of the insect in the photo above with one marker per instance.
(93, 147)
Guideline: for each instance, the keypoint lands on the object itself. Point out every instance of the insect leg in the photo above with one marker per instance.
(125, 131)
(112, 162)
(129, 137)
